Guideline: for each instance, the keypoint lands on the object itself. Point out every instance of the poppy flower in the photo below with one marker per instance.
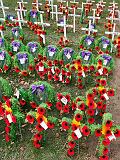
(90, 112)
(49, 104)
(55, 62)
(71, 144)
(104, 107)
(68, 74)
(73, 68)
(33, 104)
(6, 67)
(7, 122)
(7, 129)
(73, 106)
(117, 133)
(41, 110)
(103, 157)
(108, 133)
(109, 123)
(50, 76)
(5, 98)
(59, 106)
(67, 80)
(98, 133)
(50, 125)
(106, 142)
(30, 119)
(111, 92)
(44, 58)
(59, 96)
(17, 70)
(24, 73)
(99, 105)
(39, 119)
(105, 71)
(49, 63)
(78, 117)
(97, 48)
(85, 68)
(90, 96)
(38, 137)
(57, 70)
(56, 77)
(14, 119)
(81, 47)
(7, 138)
(91, 120)
(8, 103)
(79, 80)
(63, 72)
(65, 125)
(70, 152)
(31, 68)
(39, 128)
(102, 98)
(36, 144)
(66, 109)
(74, 127)
(82, 106)
(105, 151)
(92, 68)
(85, 131)
(80, 86)
(22, 102)
(74, 136)
(67, 97)
(2, 111)
(61, 62)
(103, 82)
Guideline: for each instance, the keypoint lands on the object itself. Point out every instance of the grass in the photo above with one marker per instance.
(54, 148)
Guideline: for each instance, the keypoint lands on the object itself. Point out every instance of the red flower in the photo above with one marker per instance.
(0, 70)
(108, 133)
(5, 98)
(73, 106)
(2, 111)
(80, 86)
(22, 102)
(105, 71)
(59, 96)
(74, 127)
(85, 131)
(67, 80)
(65, 125)
(63, 72)
(49, 63)
(117, 133)
(109, 123)
(74, 136)
(30, 119)
(103, 82)
(7, 122)
(31, 68)
(49, 104)
(68, 74)
(111, 92)
(39, 128)
(91, 104)
(97, 48)
(105, 151)
(8, 103)
(7, 138)
(81, 47)
(73, 68)
(41, 110)
(99, 105)
(61, 62)
(36, 144)
(70, 152)
(79, 80)
(33, 104)
(50, 76)
(24, 73)
(56, 77)
(55, 62)
(90, 112)
(67, 97)
(50, 125)
(102, 98)
(7, 129)
(90, 96)
(39, 119)
(82, 106)
(106, 142)
(66, 109)
(59, 106)
(98, 133)
(104, 157)
(72, 144)
(57, 70)
(91, 120)
(14, 119)
(6, 67)
(78, 117)
(38, 136)
(17, 70)
(92, 68)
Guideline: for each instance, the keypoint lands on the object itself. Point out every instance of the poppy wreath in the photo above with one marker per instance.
(13, 118)
(24, 63)
(106, 134)
(5, 61)
(41, 92)
(52, 53)
(9, 21)
(33, 16)
(104, 64)
(103, 45)
(42, 70)
(5, 89)
(35, 49)
(87, 43)
(63, 104)
(3, 44)
(15, 47)
(17, 34)
(42, 124)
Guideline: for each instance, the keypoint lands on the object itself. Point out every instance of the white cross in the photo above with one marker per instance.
(93, 17)
(21, 5)
(112, 18)
(102, 2)
(65, 26)
(3, 8)
(113, 33)
(42, 23)
(37, 4)
(113, 5)
(89, 29)
(56, 12)
(74, 1)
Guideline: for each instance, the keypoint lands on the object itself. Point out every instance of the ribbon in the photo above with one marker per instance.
(35, 88)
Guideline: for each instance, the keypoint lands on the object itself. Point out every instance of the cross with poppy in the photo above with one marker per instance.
(94, 17)
(112, 17)
(37, 4)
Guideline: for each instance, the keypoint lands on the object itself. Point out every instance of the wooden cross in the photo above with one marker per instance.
(37, 4)
(113, 33)
(42, 23)
(3, 8)
(89, 29)
(93, 17)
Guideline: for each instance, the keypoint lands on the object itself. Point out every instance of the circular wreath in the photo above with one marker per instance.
(87, 42)
(33, 16)
(5, 61)
(15, 47)
(5, 89)
(3, 43)
(103, 45)
(17, 33)
(35, 49)
(24, 63)
(40, 92)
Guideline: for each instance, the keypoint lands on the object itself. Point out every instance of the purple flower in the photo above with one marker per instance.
(1, 42)
(16, 44)
(22, 57)
(107, 59)
(15, 29)
(10, 17)
(37, 88)
(2, 55)
(61, 21)
(33, 46)
(52, 48)
(86, 55)
(68, 51)
(105, 42)
(89, 40)
(33, 14)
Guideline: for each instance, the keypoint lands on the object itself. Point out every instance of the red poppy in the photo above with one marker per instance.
(103, 82)
(55, 62)
(99, 105)
(74, 136)
(92, 68)
(68, 74)
(117, 133)
(85, 131)
(73, 106)
(61, 62)
(67, 80)
(39, 128)
(8, 103)
(105, 151)
(56, 77)
(90, 112)
(63, 72)
(70, 152)
(79, 80)
(109, 123)
(100, 62)
(31, 68)
(81, 47)
(104, 107)
(24, 73)
(40, 56)
(49, 104)
(108, 133)
(106, 142)
(36, 144)
(105, 71)
(17, 70)
(22, 102)
(41, 110)
(65, 125)
(7, 138)
(82, 106)
(6, 67)
(102, 98)
(38, 137)
(90, 96)
(50, 76)
(111, 92)
(39, 119)
(57, 70)
(59, 96)
(78, 117)
(74, 127)
(98, 133)
(67, 97)
(73, 68)
(104, 157)
(7, 129)
(49, 63)
(50, 125)
(7, 122)
(91, 120)
(30, 119)
(97, 48)
(66, 109)
(71, 144)
(5, 98)
(33, 104)
(91, 104)
(85, 68)
(59, 106)
(80, 86)
(14, 119)
(44, 58)
(2, 111)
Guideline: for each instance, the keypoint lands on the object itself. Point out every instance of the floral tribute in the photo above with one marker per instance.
(17, 34)
(33, 16)
(24, 63)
